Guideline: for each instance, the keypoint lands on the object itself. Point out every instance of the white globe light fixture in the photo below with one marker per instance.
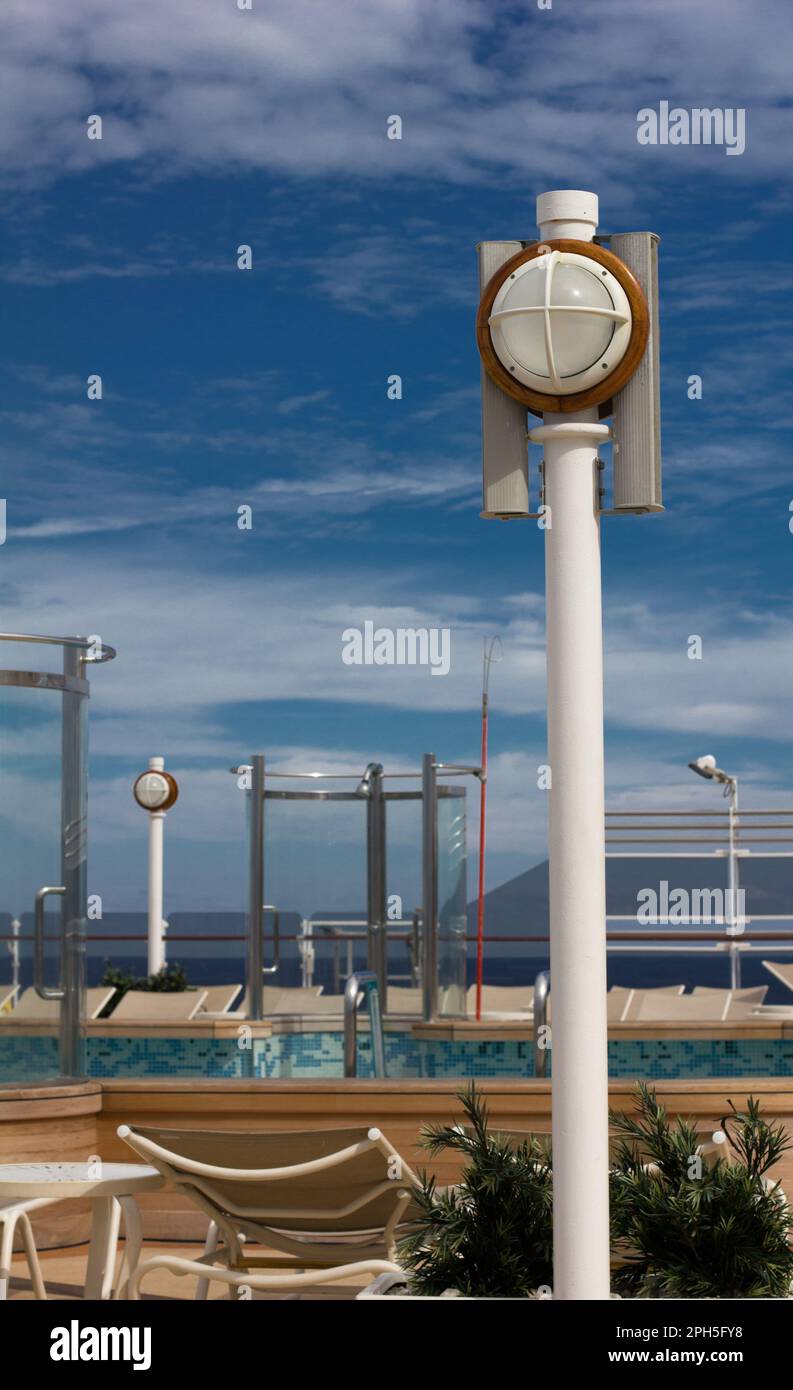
(155, 790)
(562, 326)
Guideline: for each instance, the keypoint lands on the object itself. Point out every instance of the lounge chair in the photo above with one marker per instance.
(8, 994)
(652, 1006)
(403, 1000)
(300, 1001)
(33, 1009)
(743, 1003)
(14, 1213)
(622, 1002)
(219, 999)
(781, 972)
(501, 999)
(153, 1006)
(329, 1202)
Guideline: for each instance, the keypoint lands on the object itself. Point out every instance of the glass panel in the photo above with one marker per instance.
(314, 872)
(403, 893)
(452, 917)
(30, 857)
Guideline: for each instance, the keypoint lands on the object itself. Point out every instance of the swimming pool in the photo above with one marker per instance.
(319, 1055)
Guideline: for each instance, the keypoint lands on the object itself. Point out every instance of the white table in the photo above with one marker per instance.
(111, 1189)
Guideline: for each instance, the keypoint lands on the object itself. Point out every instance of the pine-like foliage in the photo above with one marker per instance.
(490, 1236)
(712, 1229)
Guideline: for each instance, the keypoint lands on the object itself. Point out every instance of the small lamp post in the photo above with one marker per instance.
(156, 791)
(706, 767)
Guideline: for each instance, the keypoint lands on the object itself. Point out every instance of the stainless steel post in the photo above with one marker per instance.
(429, 880)
(377, 951)
(74, 836)
(255, 953)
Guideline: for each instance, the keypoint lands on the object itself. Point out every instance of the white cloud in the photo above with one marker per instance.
(304, 91)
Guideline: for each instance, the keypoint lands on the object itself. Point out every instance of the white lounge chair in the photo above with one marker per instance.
(329, 1202)
(154, 1006)
(33, 1009)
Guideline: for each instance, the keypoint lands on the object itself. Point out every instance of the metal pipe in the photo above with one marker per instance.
(377, 943)
(429, 882)
(254, 980)
(542, 986)
(156, 951)
(74, 853)
(364, 982)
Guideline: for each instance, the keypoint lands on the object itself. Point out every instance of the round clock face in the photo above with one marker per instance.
(155, 791)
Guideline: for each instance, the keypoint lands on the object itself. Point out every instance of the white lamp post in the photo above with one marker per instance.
(706, 767)
(156, 791)
(563, 325)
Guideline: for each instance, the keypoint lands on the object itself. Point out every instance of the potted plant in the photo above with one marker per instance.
(489, 1236)
(691, 1226)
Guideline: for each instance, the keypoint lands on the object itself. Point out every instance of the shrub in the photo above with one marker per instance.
(171, 979)
(707, 1229)
(490, 1236)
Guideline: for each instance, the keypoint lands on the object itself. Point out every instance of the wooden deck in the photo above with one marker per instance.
(78, 1120)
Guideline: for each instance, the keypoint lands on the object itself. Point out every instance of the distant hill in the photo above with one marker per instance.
(520, 906)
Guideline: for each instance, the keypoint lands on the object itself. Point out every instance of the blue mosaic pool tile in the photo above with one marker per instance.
(318, 1055)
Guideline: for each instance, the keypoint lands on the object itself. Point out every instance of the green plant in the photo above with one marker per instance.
(171, 979)
(689, 1226)
(490, 1236)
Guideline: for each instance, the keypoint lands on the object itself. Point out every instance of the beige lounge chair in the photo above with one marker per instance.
(743, 1003)
(652, 1006)
(329, 1202)
(781, 972)
(8, 994)
(501, 999)
(402, 1000)
(300, 1001)
(152, 1006)
(219, 999)
(622, 1002)
(33, 1009)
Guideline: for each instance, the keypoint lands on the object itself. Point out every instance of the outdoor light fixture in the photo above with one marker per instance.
(568, 330)
(706, 767)
(562, 326)
(155, 790)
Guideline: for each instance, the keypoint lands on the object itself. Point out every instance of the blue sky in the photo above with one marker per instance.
(268, 388)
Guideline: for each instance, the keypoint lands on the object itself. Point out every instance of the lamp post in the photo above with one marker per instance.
(156, 791)
(706, 767)
(563, 327)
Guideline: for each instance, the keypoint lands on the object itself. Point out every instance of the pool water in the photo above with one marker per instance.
(317, 1055)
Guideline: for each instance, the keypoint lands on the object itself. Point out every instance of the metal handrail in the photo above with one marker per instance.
(276, 965)
(542, 989)
(364, 983)
(42, 990)
(108, 653)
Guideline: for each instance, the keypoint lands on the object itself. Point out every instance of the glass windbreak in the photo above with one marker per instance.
(452, 918)
(403, 901)
(315, 874)
(30, 859)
